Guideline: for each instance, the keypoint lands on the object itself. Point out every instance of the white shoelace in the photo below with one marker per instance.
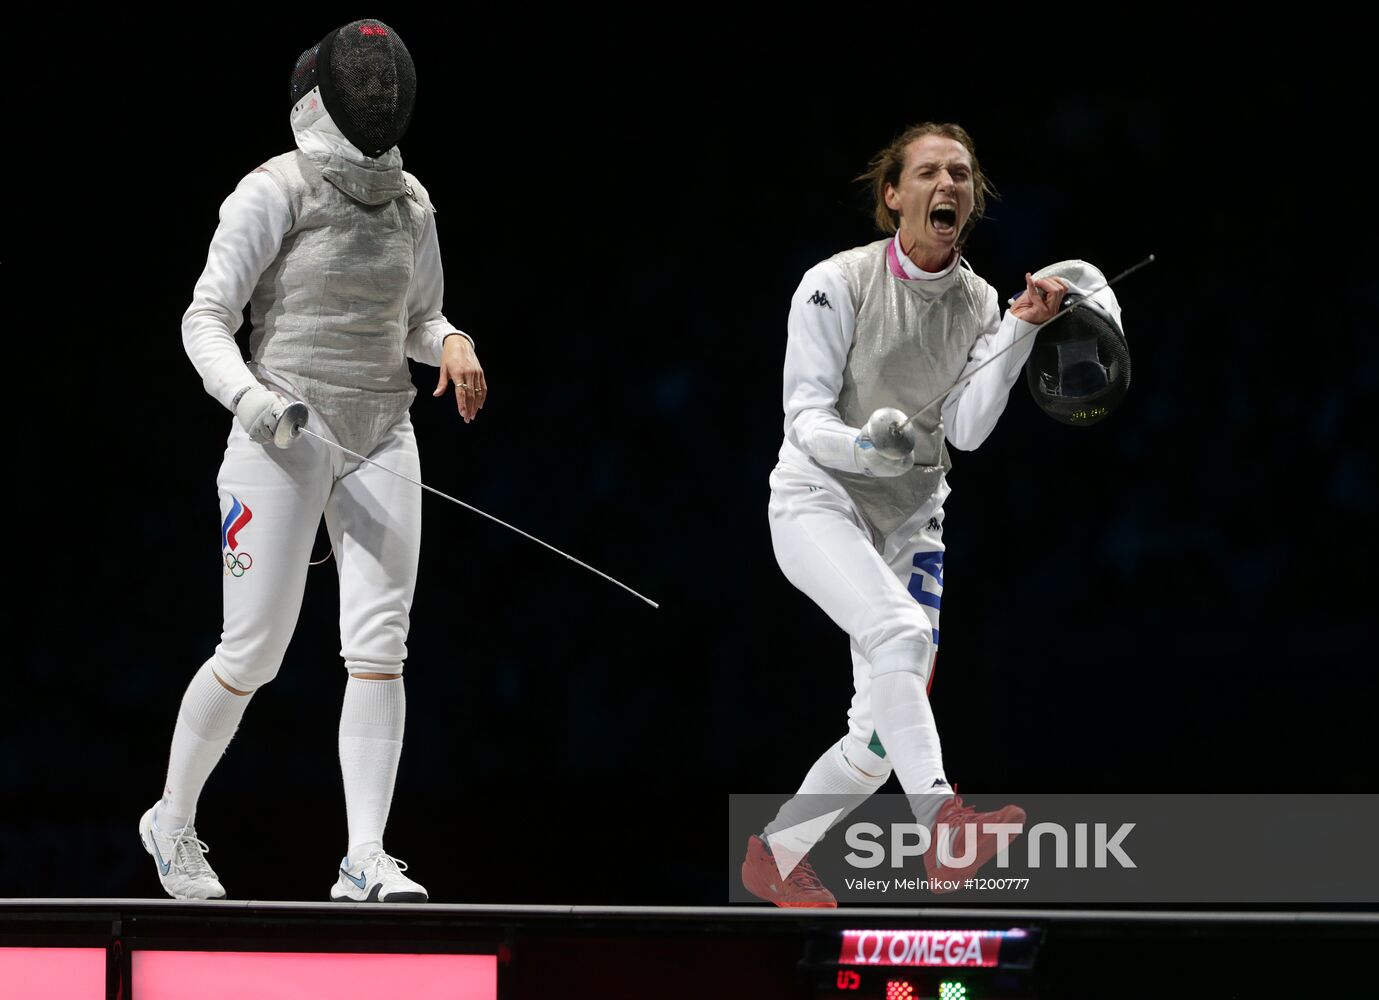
(189, 854)
(382, 858)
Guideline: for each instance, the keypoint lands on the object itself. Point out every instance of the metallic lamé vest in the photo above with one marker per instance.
(910, 344)
(330, 313)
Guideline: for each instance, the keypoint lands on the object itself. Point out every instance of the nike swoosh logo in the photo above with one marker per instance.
(358, 882)
(163, 866)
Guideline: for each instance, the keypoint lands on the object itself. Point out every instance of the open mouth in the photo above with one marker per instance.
(944, 218)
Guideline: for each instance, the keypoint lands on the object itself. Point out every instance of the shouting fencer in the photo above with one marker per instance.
(895, 323)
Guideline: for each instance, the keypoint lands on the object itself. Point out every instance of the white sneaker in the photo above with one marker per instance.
(376, 879)
(181, 861)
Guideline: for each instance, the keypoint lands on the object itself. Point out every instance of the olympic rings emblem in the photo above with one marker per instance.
(238, 565)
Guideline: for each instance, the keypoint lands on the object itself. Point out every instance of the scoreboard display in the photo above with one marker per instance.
(920, 964)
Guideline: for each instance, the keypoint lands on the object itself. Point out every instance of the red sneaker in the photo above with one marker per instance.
(956, 817)
(801, 887)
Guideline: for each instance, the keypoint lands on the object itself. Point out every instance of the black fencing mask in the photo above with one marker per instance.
(1079, 369)
(367, 82)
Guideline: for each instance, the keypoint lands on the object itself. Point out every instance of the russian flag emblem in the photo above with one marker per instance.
(239, 516)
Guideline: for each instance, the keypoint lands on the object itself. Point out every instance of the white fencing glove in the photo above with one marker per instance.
(267, 417)
(871, 462)
(835, 445)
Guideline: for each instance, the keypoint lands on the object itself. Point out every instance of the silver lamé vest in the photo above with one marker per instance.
(330, 313)
(910, 344)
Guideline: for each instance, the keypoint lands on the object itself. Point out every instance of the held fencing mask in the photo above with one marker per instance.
(1079, 369)
(367, 82)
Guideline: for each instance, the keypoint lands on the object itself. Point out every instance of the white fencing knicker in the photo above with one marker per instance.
(271, 502)
(887, 601)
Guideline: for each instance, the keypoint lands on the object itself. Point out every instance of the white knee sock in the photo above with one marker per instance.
(205, 725)
(832, 785)
(905, 722)
(371, 724)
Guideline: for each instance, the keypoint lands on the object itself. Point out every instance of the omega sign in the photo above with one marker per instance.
(948, 949)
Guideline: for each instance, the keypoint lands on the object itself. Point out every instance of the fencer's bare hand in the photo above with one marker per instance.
(1040, 301)
(459, 364)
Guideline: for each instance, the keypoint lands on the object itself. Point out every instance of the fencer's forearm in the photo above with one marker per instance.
(427, 326)
(252, 223)
(822, 435)
(970, 412)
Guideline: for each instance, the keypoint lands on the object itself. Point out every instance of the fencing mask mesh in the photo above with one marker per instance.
(1079, 369)
(367, 82)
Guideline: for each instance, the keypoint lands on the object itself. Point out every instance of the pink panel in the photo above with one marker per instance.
(233, 975)
(52, 973)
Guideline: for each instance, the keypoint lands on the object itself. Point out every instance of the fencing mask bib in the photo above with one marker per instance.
(1079, 369)
(367, 82)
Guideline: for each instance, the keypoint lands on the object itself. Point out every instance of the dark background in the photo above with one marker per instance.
(1178, 599)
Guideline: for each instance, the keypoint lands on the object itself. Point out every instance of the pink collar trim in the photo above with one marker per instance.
(899, 270)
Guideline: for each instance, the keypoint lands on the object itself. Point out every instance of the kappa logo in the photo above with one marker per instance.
(933, 524)
(820, 299)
